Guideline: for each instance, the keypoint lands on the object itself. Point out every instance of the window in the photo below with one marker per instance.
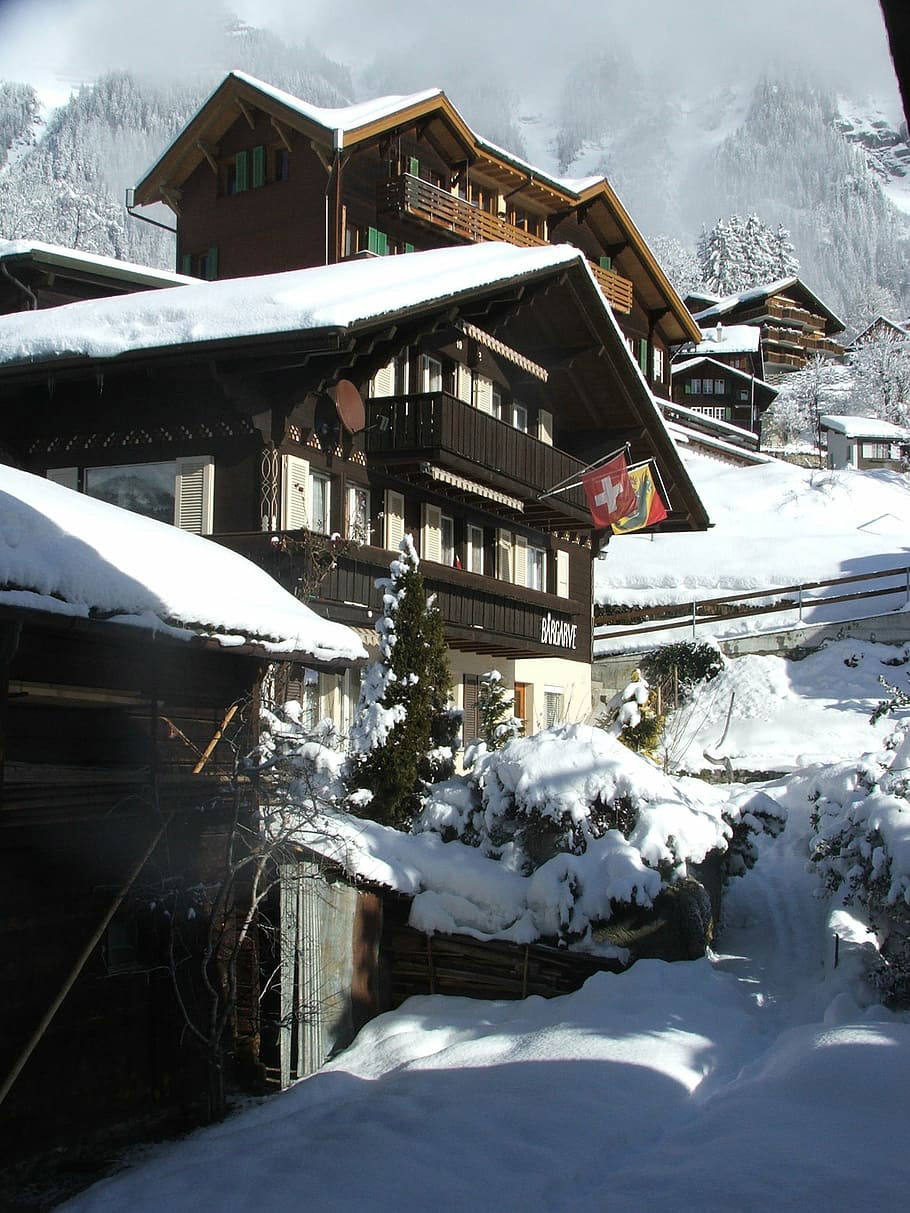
(552, 705)
(358, 527)
(878, 450)
(401, 376)
(377, 241)
(743, 396)
(562, 573)
(321, 491)
(447, 539)
(200, 265)
(180, 491)
(496, 404)
(720, 387)
(693, 388)
(605, 263)
(475, 549)
(537, 569)
(520, 417)
(657, 359)
(430, 374)
(643, 354)
(718, 412)
(280, 164)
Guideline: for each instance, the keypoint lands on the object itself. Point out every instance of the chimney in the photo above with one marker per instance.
(718, 336)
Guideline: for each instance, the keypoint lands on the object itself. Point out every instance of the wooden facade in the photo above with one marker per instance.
(717, 390)
(261, 184)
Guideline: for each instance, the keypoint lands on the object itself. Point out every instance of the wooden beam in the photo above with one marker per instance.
(245, 110)
(282, 133)
(210, 154)
(171, 195)
(324, 159)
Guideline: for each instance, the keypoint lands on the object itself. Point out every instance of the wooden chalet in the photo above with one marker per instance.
(129, 687)
(36, 275)
(882, 328)
(712, 388)
(261, 181)
(867, 443)
(795, 325)
(491, 374)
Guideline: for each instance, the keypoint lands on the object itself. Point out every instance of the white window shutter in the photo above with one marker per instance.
(504, 555)
(483, 393)
(383, 382)
(68, 477)
(463, 385)
(520, 560)
(194, 494)
(545, 426)
(295, 492)
(431, 532)
(393, 530)
(562, 574)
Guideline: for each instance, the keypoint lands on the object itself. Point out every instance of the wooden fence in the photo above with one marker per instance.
(736, 606)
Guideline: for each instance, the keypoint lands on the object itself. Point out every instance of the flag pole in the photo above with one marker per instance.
(562, 487)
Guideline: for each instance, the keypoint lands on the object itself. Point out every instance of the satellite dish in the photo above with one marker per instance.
(350, 407)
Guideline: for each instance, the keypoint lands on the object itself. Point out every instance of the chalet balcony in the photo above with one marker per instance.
(438, 429)
(481, 614)
(437, 208)
(793, 341)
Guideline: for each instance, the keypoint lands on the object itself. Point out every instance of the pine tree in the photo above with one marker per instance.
(498, 724)
(403, 723)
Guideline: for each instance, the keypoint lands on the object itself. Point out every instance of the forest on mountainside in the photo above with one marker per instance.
(680, 159)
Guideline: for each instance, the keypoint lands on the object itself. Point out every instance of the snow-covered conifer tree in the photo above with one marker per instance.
(498, 724)
(403, 726)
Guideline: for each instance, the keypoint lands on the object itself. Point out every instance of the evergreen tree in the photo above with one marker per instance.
(738, 254)
(881, 377)
(403, 724)
(498, 724)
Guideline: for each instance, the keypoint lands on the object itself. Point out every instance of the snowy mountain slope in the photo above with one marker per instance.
(884, 142)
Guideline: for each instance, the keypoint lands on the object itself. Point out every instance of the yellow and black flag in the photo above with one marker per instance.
(649, 509)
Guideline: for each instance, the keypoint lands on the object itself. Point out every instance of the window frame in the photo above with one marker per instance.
(358, 529)
(474, 547)
(324, 479)
(536, 569)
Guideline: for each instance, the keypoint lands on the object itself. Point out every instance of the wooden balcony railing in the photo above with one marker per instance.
(440, 427)
(801, 344)
(479, 612)
(409, 195)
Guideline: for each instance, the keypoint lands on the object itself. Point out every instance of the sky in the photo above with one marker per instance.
(55, 44)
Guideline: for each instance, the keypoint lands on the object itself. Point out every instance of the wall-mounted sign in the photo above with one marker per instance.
(558, 632)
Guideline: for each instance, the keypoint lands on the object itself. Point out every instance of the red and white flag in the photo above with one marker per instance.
(610, 492)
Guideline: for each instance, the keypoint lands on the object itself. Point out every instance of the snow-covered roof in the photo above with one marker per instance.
(864, 427)
(335, 296)
(756, 294)
(730, 339)
(343, 118)
(77, 259)
(690, 363)
(64, 553)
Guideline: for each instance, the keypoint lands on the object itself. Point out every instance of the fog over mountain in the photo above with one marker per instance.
(788, 111)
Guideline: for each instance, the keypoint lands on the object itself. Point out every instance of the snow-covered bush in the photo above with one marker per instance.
(684, 665)
(632, 714)
(861, 850)
(593, 825)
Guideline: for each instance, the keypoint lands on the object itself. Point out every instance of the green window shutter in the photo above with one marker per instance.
(408, 248)
(186, 264)
(211, 264)
(377, 242)
(643, 354)
(241, 172)
(258, 166)
(414, 166)
(605, 263)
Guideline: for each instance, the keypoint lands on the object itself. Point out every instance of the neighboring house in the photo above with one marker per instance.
(715, 389)
(130, 661)
(881, 326)
(260, 181)
(37, 275)
(795, 325)
(865, 442)
(736, 345)
(214, 406)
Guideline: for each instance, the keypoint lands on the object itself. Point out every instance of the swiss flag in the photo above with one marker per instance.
(610, 492)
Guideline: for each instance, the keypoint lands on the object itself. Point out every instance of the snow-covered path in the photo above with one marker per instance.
(745, 1081)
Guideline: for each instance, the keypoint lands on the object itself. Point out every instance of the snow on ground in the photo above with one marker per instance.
(66, 553)
(753, 1079)
(788, 714)
(774, 525)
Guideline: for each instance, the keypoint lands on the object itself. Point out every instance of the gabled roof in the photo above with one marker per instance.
(899, 328)
(713, 364)
(318, 315)
(58, 257)
(63, 553)
(758, 294)
(350, 126)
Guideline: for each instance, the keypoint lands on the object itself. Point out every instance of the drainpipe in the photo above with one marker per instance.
(25, 290)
